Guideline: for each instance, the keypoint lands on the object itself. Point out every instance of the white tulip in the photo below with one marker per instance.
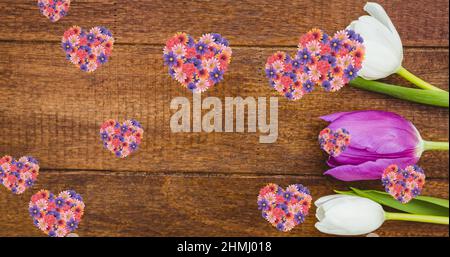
(348, 215)
(384, 49)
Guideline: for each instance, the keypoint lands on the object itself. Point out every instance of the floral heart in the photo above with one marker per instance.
(320, 61)
(200, 65)
(403, 184)
(18, 175)
(284, 209)
(121, 139)
(88, 50)
(334, 142)
(54, 9)
(56, 216)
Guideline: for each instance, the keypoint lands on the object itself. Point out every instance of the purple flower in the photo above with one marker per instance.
(59, 202)
(335, 44)
(287, 196)
(299, 218)
(90, 37)
(201, 48)
(102, 58)
(271, 73)
(67, 46)
(326, 85)
(170, 59)
(216, 75)
(378, 139)
(308, 86)
(34, 211)
(350, 73)
(263, 204)
(304, 56)
(296, 63)
(192, 86)
(72, 224)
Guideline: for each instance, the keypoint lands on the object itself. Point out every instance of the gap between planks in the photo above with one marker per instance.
(240, 46)
(142, 173)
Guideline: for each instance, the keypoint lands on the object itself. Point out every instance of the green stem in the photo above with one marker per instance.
(430, 145)
(417, 218)
(416, 80)
(430, 97)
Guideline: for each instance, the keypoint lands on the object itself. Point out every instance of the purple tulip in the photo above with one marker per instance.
(378, 139)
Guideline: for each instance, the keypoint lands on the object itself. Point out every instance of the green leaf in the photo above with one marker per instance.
(345, 192)
(430, 199)
(437, 201)
(423, 205)
(430, 97)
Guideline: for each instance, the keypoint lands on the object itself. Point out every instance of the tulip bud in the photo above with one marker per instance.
(348, 215)
(378, 139)
(372, 141)
(384, 49)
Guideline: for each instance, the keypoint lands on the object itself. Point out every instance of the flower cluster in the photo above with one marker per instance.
(403, 184)
(88, 50)
(200, 65)
(54, 9)
(334, 142)
(56, 216)
(19, 175)
(320, 60)
(121, 139)
(284, 209)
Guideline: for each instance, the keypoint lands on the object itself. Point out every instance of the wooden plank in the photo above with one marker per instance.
(139, 204)
(53, 111)
(250, 22)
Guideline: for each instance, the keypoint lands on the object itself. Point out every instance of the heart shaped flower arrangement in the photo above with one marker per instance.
(121, 139)
(334, 142)
(329, 62)
(200, 65)
(88, 50)
(18, 175)
(403, 184)
(284, 209)
(54, 9)
(59, 215)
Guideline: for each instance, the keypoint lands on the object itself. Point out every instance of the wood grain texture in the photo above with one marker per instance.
(53, 111)
(247, 22)
(139, 204)
(192, 184)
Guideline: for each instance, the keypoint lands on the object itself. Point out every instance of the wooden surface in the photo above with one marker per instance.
(193, 184)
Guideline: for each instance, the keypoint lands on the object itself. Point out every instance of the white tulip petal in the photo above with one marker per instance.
(379, 61)
(326, 206)
(324, 199)
(372, 30)
(320, 214)
(384, 50)
(327, 228)
(354, 217)
(378, 12)
(352, 25)
(349, 215)
(337, 226)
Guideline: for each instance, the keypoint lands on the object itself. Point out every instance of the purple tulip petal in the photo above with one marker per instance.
(355, 156)
(377, 131)
(334, 116)
(369, 170)
(378, 139)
